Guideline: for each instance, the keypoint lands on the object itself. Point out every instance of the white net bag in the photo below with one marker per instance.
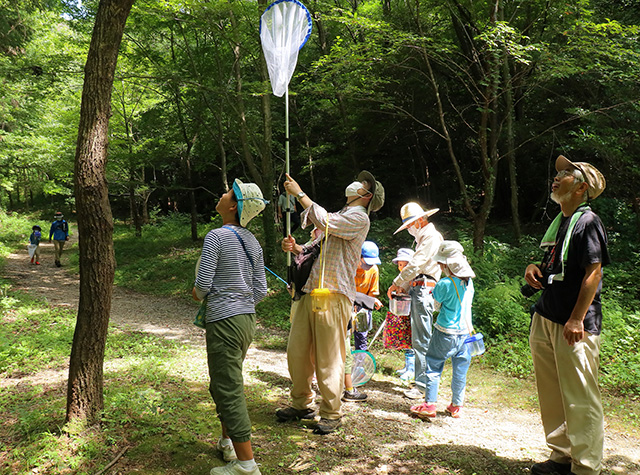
(285, 27)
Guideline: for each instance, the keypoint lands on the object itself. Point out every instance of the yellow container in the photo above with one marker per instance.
(320, 299)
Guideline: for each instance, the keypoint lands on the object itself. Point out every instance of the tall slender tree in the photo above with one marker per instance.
(95, 226)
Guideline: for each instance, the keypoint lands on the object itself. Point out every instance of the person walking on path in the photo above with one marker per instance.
(34, 244)
(60, 232)
(418, 279)
(566, 324)
(453, 326)
(231, 277)
(317, 337)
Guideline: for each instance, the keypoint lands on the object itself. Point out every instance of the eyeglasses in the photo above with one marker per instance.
(565, 173)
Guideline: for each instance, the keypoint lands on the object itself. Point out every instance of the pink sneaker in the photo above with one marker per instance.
(424, 411)
(453, 411)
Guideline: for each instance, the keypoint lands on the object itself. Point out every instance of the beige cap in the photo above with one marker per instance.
(592, 175)
(411, 212)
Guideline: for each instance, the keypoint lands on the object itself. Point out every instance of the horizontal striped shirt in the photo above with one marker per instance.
(348, 229)
(226, 274)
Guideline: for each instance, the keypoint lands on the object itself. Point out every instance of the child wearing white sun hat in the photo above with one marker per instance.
(230, 276)
(454, 291)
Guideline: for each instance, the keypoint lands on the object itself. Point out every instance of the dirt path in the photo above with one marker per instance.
(496, 429)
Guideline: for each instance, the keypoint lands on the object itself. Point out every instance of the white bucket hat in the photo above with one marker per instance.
(403, 254)
(451, 253)
(250, 201)
(411, 212)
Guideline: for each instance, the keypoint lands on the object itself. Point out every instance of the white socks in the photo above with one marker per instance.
(247, 464)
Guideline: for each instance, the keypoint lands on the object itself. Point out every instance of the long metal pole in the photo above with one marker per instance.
(286, 162)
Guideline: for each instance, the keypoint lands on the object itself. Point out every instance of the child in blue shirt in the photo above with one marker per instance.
(454, 291)
(34, 244)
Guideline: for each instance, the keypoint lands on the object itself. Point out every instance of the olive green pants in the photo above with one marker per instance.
(227, 343)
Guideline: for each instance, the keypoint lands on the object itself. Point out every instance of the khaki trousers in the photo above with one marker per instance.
(570, 403)
(317, 344)
(58, 246)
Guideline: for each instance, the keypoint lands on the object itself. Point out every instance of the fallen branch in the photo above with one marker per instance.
(114, 461)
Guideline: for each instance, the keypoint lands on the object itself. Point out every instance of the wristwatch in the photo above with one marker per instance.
(301, 195)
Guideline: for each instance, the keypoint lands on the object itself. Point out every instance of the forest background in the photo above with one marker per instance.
(462, 106)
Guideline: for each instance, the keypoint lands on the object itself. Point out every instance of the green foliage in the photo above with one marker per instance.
(620, 361)
(27, 329)
(275, 310)
(162, 261)
(16, 228)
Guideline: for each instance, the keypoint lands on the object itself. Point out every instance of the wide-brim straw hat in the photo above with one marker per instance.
(377, 190)
(411, 212)
(451, 253)
(592, 175)
(250, 201)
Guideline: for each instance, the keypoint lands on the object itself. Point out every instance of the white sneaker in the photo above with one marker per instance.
(414, 393)
(228, 452)
(233, 468)
(407, 376)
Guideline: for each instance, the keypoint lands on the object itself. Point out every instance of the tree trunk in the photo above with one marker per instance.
(95, 224)
(511, 154)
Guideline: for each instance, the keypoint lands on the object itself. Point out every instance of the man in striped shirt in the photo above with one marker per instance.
(231, 277)
(316, 339)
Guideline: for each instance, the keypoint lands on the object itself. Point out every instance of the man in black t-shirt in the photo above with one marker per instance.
(566, 324)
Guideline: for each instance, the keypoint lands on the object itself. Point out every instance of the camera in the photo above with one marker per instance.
(527, 291)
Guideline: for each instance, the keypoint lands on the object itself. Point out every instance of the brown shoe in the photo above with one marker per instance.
(326, 426)
(551, 468)
(292, 414)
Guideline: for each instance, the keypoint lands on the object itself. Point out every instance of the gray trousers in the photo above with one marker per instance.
(421, 329)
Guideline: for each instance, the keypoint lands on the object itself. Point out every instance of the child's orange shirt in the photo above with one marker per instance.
(367, 281)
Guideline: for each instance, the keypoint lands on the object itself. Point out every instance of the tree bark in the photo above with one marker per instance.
(95, 225)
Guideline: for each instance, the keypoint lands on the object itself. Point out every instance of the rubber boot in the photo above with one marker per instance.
(407, 354)
(411, 367)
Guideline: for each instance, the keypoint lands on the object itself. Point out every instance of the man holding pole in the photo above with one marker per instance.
(316, 339)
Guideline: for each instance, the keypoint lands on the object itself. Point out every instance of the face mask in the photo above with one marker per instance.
(352, 189)
(59, 219)
(413, 230)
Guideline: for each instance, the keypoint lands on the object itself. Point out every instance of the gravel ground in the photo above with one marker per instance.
(494, 429)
